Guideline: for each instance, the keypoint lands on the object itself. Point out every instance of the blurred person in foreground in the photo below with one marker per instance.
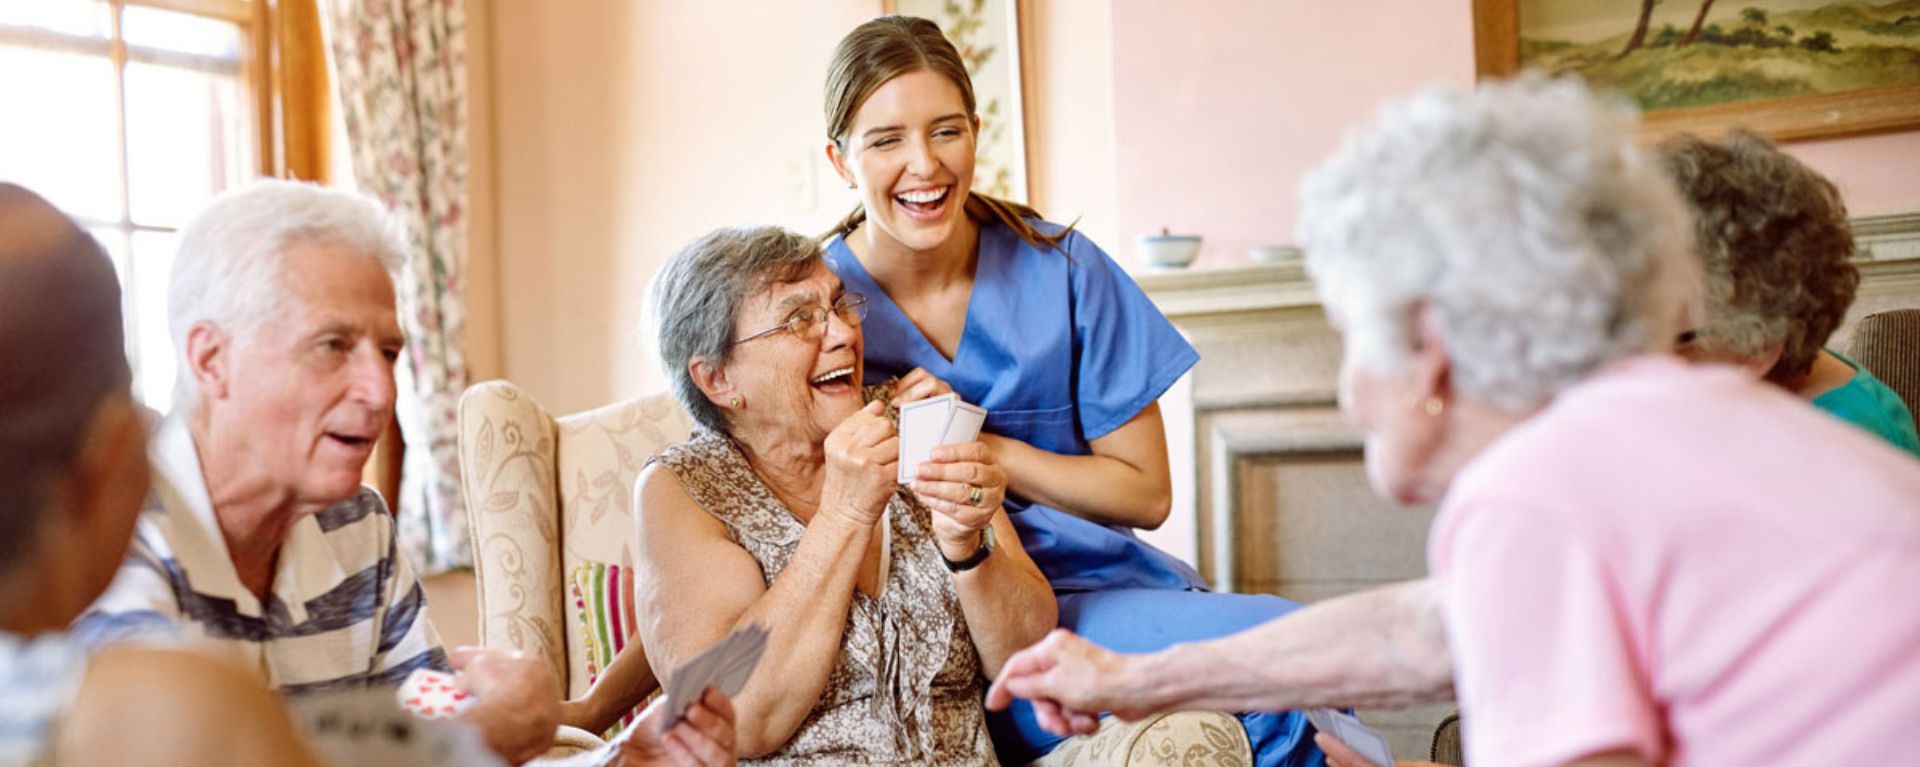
(1624, 566)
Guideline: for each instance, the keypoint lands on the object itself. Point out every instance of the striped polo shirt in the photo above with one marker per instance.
(345, 610)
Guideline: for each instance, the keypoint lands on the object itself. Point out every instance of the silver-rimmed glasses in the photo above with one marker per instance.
(811, 323)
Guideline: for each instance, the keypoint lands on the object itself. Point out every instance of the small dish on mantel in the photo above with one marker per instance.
(1274, 254)
(1168, 251)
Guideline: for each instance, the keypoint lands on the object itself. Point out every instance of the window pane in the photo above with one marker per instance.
(183, 33)
(88, 18)
(59, 137)
(114, 242)
(187, 140)
(152, 263)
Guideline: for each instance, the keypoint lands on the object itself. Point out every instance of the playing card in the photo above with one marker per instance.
(922, 425)
(931, 422)
(361, 727)
(1370, 745)
(726, 666)
(433, 694)
(964, 425)
(1318, 717)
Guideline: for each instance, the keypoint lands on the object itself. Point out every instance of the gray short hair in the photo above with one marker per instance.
(1522, 216)
(697, 294)
(233, 254)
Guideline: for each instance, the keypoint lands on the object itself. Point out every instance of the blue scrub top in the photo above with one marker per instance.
(1061, 349)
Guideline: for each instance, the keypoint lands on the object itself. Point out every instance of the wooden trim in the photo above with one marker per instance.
(260, 76)
(1496, 53)
(301, 86)
(236, 11)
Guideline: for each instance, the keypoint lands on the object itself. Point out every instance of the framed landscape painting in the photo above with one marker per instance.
(987, 33)
(1789, 69)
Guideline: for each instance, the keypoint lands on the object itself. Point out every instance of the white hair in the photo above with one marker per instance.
(1521, 216)
(232, 255)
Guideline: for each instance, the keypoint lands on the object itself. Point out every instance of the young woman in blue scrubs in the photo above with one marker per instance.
(1035, 323)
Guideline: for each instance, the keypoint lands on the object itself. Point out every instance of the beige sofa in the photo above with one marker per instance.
(545, 495)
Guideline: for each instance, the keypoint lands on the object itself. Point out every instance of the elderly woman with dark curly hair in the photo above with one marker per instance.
(1623, 563)
(1774, 242)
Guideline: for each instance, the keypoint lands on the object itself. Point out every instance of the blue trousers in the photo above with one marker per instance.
(1146, 620)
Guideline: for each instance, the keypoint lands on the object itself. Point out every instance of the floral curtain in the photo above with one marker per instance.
(401, 69)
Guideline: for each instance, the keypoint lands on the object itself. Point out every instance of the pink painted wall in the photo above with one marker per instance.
(616, 131)
(622, 130)
(1220, 107)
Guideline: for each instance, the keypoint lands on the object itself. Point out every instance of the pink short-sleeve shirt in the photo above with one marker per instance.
(1686, 564)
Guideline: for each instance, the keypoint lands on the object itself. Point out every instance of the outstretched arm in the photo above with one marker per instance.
(1382, 647)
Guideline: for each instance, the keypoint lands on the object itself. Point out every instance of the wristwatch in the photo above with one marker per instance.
(979, 555)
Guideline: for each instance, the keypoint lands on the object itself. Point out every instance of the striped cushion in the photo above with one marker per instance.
(603, 598)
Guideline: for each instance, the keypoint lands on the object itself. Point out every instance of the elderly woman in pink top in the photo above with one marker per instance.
(1640, 562)
(1637, 561)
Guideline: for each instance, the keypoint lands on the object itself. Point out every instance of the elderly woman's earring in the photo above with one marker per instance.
(734, 403)
(1434, 406)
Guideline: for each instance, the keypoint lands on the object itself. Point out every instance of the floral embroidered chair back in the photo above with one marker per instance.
(550, 504)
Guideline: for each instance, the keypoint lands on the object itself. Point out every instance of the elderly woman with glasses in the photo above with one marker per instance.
(886, 605)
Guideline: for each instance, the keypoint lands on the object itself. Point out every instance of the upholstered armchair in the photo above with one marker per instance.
(1888, 344)
(549, 501)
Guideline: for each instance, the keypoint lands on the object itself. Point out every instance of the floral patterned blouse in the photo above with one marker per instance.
(906, 687)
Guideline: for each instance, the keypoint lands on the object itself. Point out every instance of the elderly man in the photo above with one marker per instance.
(72, 476)
(258, 536)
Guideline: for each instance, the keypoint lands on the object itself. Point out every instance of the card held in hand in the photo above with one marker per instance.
(932, 422)
(1369, 744)
(726, 667)
(433, 694)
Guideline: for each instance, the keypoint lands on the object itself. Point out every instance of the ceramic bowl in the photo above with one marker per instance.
(1273, 254)
(1168, 251)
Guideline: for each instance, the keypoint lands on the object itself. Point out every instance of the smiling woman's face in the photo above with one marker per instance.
(910, 151)
(792, 383)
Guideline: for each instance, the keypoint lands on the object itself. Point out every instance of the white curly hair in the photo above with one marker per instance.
(1521, 214)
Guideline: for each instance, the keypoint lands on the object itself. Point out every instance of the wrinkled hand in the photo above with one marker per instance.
(516, 705)
(1339, 755)
(945, 484)
(917, 384)
(861, 453)
(1070, 681)
(704, 738)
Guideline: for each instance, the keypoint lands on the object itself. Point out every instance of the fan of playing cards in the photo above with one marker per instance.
(726, 667)
(932, 422)
(1370, 745)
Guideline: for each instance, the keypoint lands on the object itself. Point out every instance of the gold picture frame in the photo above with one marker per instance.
(1497, 29)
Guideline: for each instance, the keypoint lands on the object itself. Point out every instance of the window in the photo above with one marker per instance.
(129, 115)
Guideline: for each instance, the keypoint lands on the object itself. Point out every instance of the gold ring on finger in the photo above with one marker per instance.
(974, 496)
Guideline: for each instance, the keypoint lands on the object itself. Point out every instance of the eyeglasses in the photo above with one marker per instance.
(811, 323)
